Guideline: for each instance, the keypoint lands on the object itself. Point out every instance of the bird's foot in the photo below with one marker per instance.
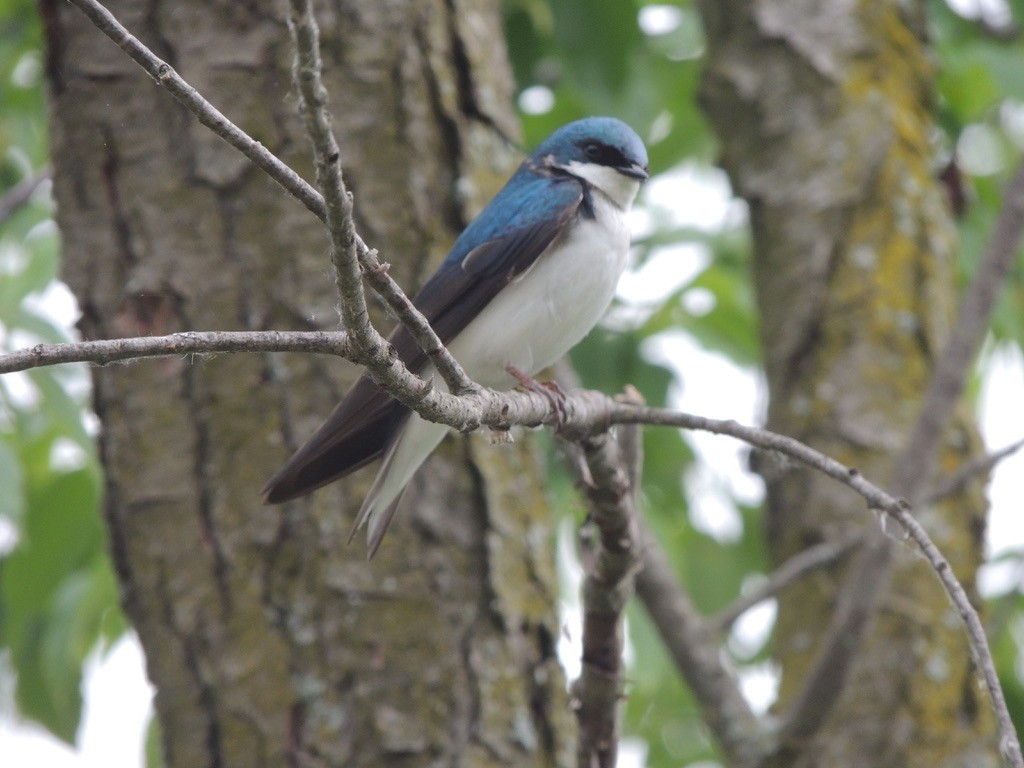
(550, 390)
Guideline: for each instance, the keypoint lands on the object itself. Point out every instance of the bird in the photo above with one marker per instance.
(529, 277)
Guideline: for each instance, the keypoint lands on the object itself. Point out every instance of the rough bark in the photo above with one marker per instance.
(269, 640)
(824, 113)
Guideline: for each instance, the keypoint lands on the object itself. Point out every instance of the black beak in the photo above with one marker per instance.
(634, 170)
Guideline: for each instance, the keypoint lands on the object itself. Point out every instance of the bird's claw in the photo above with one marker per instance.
(550, 390)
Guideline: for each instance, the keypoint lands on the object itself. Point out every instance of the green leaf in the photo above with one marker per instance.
(53, 592)
(12, 499)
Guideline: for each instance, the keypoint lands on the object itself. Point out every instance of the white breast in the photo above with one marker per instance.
(547, 311)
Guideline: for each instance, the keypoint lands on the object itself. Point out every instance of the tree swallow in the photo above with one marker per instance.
(523, 284)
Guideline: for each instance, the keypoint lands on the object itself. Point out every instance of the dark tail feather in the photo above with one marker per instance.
(343, 444)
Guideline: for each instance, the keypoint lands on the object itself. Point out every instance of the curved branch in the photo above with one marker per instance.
(803, 562)
(585, 413)
(869, 576)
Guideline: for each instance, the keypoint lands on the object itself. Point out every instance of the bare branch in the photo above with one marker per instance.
(877, 499)
(607, 588)
(354, 313)
(190, 342)
(694, 647)
(486, 407)
(585, 412)
(812, 705)
(792, 570)
(979, 466)
(947, 384)
(21, 193)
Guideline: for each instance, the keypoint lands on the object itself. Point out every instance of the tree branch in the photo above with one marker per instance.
(947, 384)
(611, 568)
(205, 112)
(347, 249)
(790, 571)
(189, 342)
(368, 344)
(15, 197)
(694, 646)
(900, 511)
(487, 407)
(978, 466)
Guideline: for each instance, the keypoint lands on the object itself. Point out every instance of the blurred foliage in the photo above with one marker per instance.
(58, 595)
(637, 60)
(981, 115)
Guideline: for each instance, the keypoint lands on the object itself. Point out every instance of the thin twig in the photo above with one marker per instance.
(899, 509)
(15, 197)
(190, 342)
(793, 569)
(978, 466)
(205, 112)
(947, 383)
(435, 405)
(327, 157)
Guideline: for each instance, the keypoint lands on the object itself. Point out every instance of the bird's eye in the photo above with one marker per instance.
(592, 150)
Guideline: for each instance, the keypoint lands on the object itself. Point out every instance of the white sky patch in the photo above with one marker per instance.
(537, 100)
(980, 150)
(21, 390)
(712, 385)
(659, 19)
(118, 705)
(759, 684)
(1002, 423)
(696, 196)
(8, 541)
(750, 632)
(28, 71)
(994, 11)
(58, 303)
(67, 456)
(667, 270)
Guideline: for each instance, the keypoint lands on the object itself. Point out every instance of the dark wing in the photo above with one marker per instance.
(364, 422)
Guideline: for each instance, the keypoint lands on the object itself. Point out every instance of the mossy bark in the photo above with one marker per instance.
(269, 641)
(824, 110)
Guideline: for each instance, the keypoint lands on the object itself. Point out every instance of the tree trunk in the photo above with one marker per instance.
(824, 113)
(269, 641)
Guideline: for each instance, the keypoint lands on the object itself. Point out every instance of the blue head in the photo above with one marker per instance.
(600, 141)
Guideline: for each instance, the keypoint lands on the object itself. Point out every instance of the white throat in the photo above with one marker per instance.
(618, 188)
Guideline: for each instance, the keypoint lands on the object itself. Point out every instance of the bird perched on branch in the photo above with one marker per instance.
(523, 284)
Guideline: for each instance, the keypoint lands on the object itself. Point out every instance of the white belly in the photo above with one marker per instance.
(529, 325)
(537, 319)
